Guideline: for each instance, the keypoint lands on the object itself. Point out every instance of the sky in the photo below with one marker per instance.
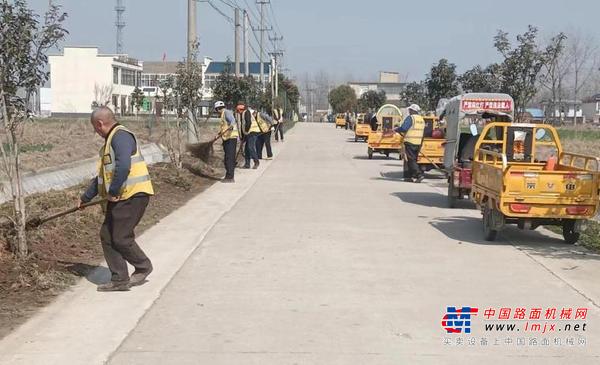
(347, 39)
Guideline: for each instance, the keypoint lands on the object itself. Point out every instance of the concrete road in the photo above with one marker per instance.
(331, 259)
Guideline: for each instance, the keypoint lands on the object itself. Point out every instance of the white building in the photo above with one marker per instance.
(81, 77)
(388, 82)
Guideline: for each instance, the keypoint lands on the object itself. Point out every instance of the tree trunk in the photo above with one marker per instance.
(21, 248)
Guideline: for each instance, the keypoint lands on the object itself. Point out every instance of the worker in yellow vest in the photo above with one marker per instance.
(265, 123)
(412, 129)
(250, 131)
(229, 135)
(278, 122)
(123, 180)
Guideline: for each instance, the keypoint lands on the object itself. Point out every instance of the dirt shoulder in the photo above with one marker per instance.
(68, 248)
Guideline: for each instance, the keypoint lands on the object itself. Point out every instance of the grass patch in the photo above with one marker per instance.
(579, 134)
(590, 237)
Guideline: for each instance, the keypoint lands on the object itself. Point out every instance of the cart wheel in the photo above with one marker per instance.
(488, 233)
(451, 197)
(571, 237)
(370, 153)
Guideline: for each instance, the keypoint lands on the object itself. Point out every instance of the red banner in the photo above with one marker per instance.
(482, 104)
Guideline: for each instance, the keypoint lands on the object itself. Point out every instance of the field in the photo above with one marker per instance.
(581, 140)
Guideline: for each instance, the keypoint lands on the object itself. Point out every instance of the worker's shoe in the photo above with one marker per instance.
(228, 181)
(419, 179)
(139, 277)
(114, 286)
(246, 166)
(407, 179)
(269, 158)
(256, 164)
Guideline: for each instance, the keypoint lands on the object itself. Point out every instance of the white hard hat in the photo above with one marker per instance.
(415, 107)
(219, 104)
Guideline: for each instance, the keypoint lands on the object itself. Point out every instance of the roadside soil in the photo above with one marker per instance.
(65, 250)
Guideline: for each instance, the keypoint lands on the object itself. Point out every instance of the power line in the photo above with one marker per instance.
(229, 19)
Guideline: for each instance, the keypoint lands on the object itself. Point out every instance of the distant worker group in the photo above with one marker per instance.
(254, 130)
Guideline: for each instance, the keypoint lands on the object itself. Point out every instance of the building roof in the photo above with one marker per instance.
(218, 67)
(376, 83)
(157, 67)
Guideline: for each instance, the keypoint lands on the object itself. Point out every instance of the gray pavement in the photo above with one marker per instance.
(327, 258)
(331, 259)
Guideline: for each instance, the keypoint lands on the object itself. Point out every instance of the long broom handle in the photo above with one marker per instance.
(72, 210)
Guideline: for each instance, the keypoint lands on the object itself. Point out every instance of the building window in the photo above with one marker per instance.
(115, 75)
(128, 77)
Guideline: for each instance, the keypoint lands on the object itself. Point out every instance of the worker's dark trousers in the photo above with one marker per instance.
(118, 237)
(250, 148)
(264, 140)
(412, 154)
(229, 147)
(279, 132)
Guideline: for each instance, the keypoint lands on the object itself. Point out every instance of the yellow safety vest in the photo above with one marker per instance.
(227, 133)
(415, 134)
(138, 180)
(277, 116)
(254, 126)
(262, 124)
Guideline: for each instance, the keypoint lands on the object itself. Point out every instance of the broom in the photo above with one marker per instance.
(37, 221)
(204, 150)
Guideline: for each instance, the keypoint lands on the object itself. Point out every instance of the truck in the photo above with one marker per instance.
(522, 176)
(464, 116)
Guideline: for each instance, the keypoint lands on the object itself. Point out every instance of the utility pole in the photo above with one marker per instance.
(276, 53)
(191, 31)
(246, 40)
(192, 41)
(237, 42)
(262, 38)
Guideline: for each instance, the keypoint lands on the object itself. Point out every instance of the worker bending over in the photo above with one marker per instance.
(123, 180)
(229, 135)
(265, 124)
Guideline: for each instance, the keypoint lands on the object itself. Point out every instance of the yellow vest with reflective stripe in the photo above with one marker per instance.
(264, 125)
(225, 133)
(415, 134)
(277, 116)
(254, 127)
(138, 180)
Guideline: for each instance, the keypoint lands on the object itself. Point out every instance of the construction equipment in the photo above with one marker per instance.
(521, 175)
(385, 140)
(460, 114)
